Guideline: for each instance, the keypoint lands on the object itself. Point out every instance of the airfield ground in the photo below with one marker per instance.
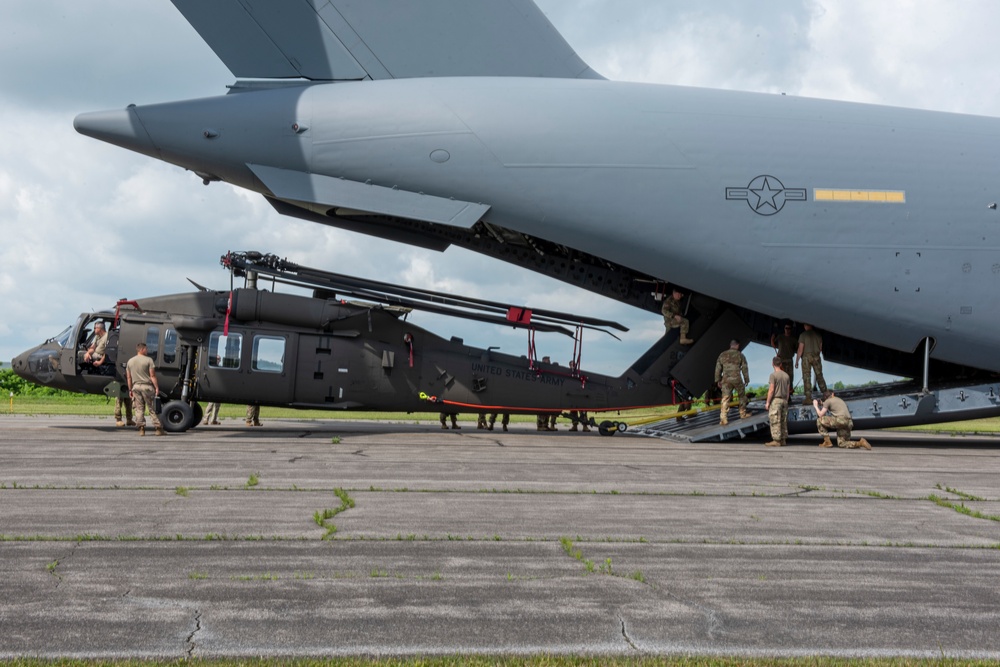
(307, 538)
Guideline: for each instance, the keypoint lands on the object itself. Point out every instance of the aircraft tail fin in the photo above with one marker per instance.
(338, 40)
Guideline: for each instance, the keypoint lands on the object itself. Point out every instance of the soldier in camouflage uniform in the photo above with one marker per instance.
(504, 421)
(143, 388)
(784, 345)
(777, 404)
(672, 317)
(834, 414)
(253, 415)
(731, 372)
(123, 402)
(809, 353)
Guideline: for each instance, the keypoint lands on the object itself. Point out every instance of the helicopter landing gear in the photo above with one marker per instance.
(177, 417)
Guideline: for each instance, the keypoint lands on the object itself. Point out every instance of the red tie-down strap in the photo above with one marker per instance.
(408, 339)
(229, 309)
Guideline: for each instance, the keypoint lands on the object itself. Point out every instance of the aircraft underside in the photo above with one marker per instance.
(621, 283)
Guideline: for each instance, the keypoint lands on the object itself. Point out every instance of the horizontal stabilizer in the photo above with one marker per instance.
(353, 198)
(383, 39)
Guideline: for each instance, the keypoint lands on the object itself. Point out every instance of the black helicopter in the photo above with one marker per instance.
(252, 345)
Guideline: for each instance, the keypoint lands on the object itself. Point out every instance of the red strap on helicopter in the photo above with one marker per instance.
(531, 349)
(229, 309)
(118, 309)
(408, 339)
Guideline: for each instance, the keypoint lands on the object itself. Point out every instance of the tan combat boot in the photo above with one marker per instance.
(864, 444)
(119, 423)
(826, 442)
(687, 341)
(574, 428)
(744, 414)
(160, 431)
(773, 443)
(142, 430)
(723, 419)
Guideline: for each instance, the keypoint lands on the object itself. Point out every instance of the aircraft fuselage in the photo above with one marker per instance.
(876, 223)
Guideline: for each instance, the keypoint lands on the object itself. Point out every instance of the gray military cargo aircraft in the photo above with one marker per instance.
(474, 124)
(251, 345)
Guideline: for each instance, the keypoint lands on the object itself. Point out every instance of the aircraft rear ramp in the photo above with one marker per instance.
(879, 406)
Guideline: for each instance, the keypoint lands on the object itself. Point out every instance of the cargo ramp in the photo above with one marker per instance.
(872, 407)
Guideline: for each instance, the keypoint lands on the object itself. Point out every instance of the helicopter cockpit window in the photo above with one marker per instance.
(268, 354)
(63, 337)
(169, 346)
(224, 351)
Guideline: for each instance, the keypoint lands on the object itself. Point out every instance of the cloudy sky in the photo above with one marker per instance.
(85, 223)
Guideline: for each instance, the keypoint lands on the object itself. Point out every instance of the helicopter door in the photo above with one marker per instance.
(248, 367)
(271, 373)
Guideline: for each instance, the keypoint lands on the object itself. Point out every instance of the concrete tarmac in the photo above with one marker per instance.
(234, 541)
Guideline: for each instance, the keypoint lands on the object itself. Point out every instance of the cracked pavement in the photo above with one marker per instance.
(453, 545)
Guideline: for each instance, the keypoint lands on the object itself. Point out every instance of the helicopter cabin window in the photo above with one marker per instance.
(224, 351)
(268, 354)
(153, 342)
(170, 346)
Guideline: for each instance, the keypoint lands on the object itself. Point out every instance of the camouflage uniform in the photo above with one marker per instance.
(731, 373)
(212, 413)
(672, 309)
(578, 417)
(253, 414)
(812, 346)
(481, 422)
(444, 420)
(838, 418)
(777, 412)
(503, 422)
(785, 347)
(125, 402)
(139, 370)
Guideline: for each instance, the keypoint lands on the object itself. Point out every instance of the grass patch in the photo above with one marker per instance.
(956, 492)
(182, 491)
(961, 508)
(322, 517)
(253, 480)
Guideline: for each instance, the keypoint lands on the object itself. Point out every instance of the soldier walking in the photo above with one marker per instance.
(731, 373)
(143, 388)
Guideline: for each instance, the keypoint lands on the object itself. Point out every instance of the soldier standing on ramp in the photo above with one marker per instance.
(810, 349)
(731, 372)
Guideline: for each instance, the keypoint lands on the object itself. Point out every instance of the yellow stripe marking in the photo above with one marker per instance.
(872, 196)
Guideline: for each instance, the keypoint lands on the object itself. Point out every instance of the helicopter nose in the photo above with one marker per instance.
(19, 364)
(120, 127)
